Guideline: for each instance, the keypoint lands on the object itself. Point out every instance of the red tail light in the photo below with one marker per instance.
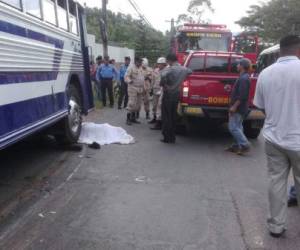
(185, 89)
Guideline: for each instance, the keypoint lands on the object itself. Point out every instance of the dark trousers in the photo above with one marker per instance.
(107, 84)
(123, 94)
(169, 115)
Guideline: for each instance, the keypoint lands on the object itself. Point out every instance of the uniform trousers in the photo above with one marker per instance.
(135, 95)
(107, 84)
(155, 102)
(145, 100)
(169, 115)
(280, 162)
(124, 94)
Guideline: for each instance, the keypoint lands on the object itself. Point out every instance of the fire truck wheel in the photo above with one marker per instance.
(251, 132)
(71, 125)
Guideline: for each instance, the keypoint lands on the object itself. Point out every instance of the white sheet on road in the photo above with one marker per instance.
(104, 134)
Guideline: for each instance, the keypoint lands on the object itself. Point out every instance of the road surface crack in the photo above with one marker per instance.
(239, 220)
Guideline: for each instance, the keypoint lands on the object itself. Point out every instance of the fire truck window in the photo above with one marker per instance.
(234, 64)
(183, 42)
(216, 64)
(196, 64)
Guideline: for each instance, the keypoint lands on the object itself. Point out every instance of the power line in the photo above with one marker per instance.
(139, 12)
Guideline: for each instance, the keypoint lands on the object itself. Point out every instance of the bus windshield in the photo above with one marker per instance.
(203, 41)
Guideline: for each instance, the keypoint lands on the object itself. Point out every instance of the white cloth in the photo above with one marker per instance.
(104, 134)
(278, 93)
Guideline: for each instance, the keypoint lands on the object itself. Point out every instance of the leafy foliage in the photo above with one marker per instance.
(195, 11)
(129, 32)
(273, 20)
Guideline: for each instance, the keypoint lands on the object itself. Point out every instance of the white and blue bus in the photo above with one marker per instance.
(44, 69)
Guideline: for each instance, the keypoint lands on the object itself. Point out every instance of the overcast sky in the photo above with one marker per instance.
(158, 11)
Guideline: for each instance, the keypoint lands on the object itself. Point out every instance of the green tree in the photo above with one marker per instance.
(126, 31)
(273, 20)
(195, 11)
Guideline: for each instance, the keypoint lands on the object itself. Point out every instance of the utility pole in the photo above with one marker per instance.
(103, 27)
(173, 29)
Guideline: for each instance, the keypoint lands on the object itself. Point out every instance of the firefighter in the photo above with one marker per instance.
(157, 93)
(135, 79)
(148, 75)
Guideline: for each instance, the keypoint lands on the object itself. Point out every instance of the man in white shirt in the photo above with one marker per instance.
(278, 94)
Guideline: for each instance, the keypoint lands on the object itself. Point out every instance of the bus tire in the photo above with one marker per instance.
(71, 125)
(250, 132)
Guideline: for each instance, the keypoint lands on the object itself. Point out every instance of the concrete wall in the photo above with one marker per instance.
(117, 53)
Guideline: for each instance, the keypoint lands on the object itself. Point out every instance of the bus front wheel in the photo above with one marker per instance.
(70, 128)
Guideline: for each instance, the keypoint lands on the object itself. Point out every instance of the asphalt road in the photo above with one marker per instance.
(187, 196)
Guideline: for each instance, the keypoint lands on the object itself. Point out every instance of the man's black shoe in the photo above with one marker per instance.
(232, 149)
(152, 121)
(135, 121)
(292, 202)
(167, 141)
(156, 127)
(119, 108)
(277, 235)
(128, 120)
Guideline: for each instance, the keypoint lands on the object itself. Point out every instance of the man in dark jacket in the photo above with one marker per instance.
(171, 80)
(239, 108)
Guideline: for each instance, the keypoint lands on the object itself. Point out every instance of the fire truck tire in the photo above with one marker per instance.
(70, 127)
(251, 132)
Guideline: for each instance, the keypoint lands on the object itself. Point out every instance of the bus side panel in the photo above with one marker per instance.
(35, 67)
(87, 89)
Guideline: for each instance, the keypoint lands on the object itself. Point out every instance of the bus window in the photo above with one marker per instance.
(62, 18)
(49, 11)
(14, 3)
(73, 19)
(73, 24)
(32, 7)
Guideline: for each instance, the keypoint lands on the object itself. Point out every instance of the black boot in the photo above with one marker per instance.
(133, 118)
(153, 121)
(128, 121)
(157, 125)
(147, 115)
(137, 114)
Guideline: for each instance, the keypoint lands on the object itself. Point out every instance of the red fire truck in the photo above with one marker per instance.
(213, 37)
(246, 44)
(213, 53)
(197, 37)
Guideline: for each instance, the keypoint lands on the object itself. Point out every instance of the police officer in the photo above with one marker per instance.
(157, 93)
(135, 78)
(171, 80)
(123, 85)
(105, 73)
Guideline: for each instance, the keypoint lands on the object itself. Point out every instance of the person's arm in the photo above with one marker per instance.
(259, 97)
(121, 73)
(234, 107)
(128, 76)
(98, 74)
(116, 73)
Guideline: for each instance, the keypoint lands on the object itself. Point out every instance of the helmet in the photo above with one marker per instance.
(145, 62)
(161, 60)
